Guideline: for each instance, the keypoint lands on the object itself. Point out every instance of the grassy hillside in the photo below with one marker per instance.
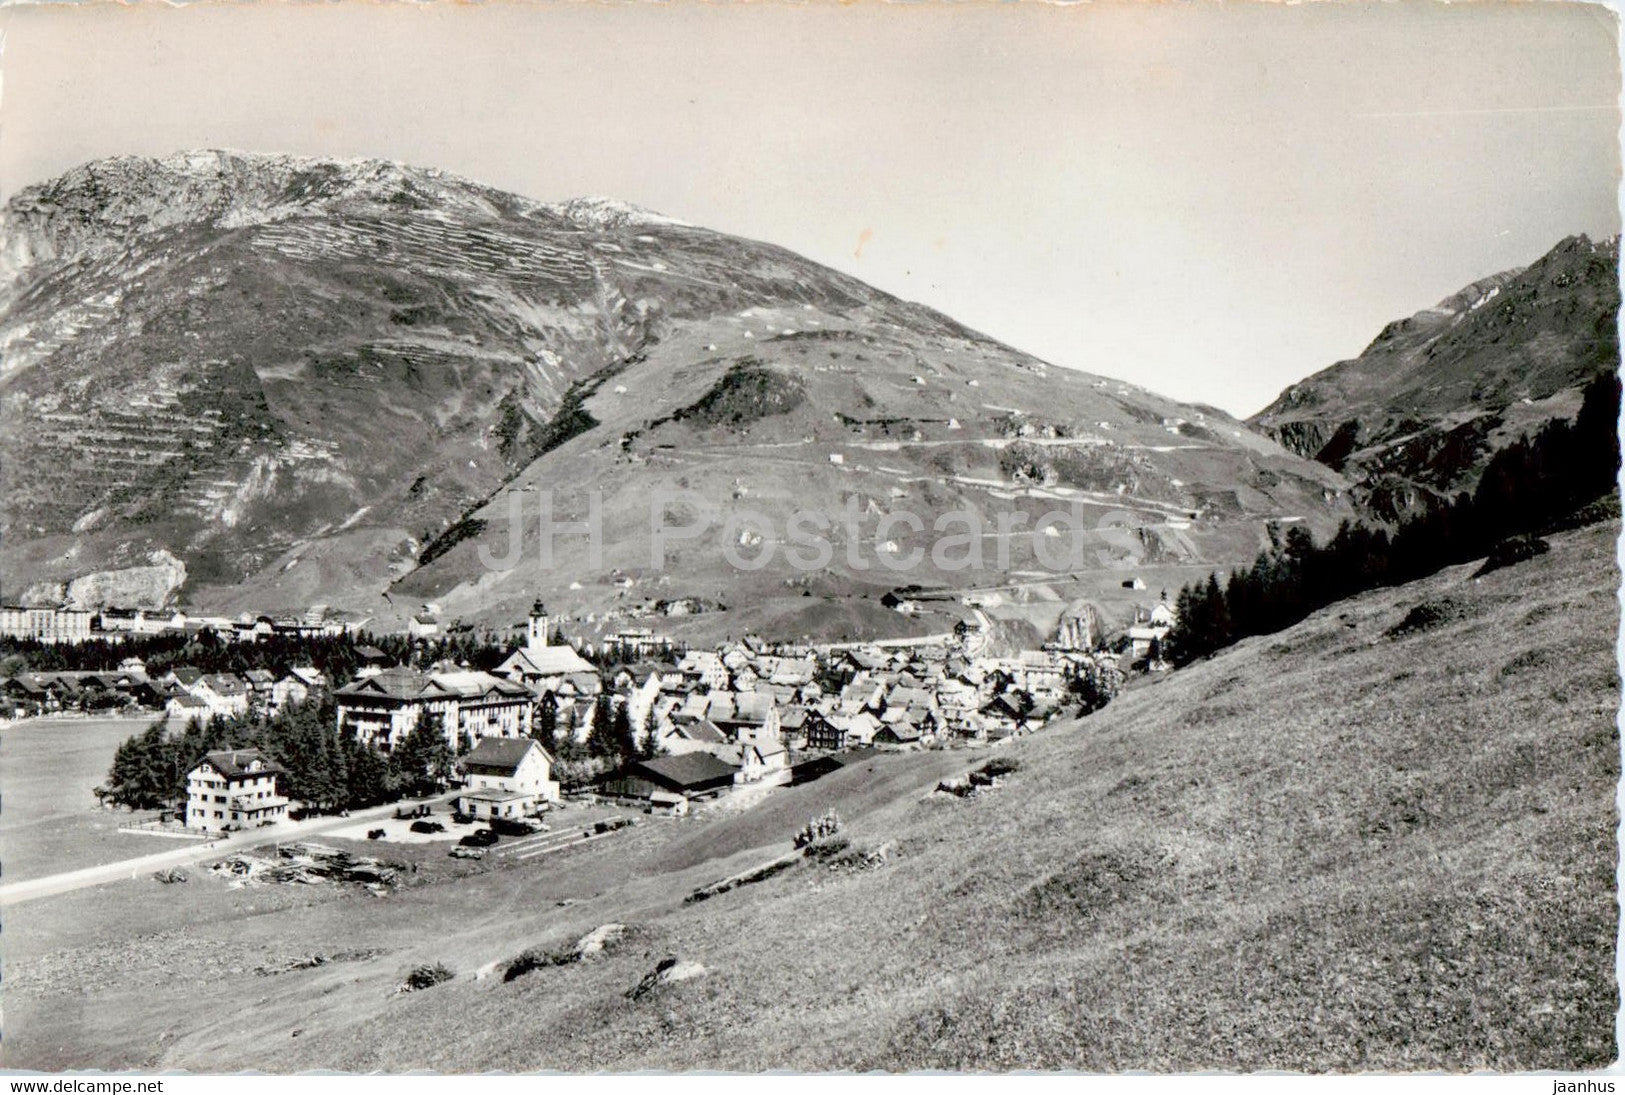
(1353, 845)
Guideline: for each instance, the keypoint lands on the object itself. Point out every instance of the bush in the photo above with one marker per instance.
(827, 848)
(1425, 617)
(426, 977)
(748, 392)
(538, 958)
(1512, 550)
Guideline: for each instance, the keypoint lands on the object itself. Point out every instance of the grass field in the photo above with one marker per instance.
(49, 819)
(1350, 846)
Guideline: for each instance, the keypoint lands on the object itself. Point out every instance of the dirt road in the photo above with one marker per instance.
(68, 881)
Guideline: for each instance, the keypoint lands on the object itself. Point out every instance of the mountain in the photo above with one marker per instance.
(1416, 416)
(282, 381)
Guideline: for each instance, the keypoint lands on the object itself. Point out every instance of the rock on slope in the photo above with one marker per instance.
(312, 381)
(1419, 412)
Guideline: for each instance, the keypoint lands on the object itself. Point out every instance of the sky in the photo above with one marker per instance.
(1209, 200)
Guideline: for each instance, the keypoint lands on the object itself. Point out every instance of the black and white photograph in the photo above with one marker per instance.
(809, 537)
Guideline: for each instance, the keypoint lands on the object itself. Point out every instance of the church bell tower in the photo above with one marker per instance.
(539, 625)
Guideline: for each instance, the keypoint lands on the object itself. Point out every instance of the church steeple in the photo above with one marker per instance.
(539, 624)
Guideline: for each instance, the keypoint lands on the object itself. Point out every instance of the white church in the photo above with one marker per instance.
(539, 665)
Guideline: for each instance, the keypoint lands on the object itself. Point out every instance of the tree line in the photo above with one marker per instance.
(330, 770)
(1536, 484)
(327, 769)
(611, 742)
(337, 656)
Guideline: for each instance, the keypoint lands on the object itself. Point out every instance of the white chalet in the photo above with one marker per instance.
(295, 686)
(1149, 627)
(506, 778)
(234, 789)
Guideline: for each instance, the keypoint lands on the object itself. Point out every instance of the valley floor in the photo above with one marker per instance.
(1361, 844)
(50, 822)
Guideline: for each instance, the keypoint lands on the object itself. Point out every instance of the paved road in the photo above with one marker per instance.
(51, 885)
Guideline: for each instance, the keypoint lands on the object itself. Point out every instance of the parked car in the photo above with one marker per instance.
(375, 834)
(480, 838)
(427, 827)
(516, 826)
(467, 853)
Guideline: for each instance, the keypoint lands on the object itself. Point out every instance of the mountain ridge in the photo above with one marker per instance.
(294, 375)
(1415, 416)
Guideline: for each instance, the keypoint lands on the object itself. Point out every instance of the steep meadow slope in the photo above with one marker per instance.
(1380, 840)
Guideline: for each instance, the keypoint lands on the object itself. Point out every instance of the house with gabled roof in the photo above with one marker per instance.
(906, 697)
(259, 680)
(783, 694)
(793, 722)
(866, 659)
(900, 733)
(234, 789)
(824, 732)
(1151, 626)
(862, 693)
(705, 667)
(758, 761)
(373, 660)
(295, 687)
(541, 664)
(536, 667)
(793, 671)
(225, 693)
(751, 713)
(185, 707)
(860, 728)
(184, 675)
(1009, 713)
(690, 775)
(36, 689)
(638, 686)
(684, 735)
(695, 705)
(506, 778)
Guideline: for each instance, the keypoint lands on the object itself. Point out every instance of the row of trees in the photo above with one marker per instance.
(611, 741)
(327, 770)
(1533, 485)
(1096, 685)
(335, 655)
(610, 736)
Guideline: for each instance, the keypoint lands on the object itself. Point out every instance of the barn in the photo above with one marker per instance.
(689, 774)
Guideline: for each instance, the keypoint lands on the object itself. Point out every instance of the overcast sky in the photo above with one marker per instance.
(1209, 200)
